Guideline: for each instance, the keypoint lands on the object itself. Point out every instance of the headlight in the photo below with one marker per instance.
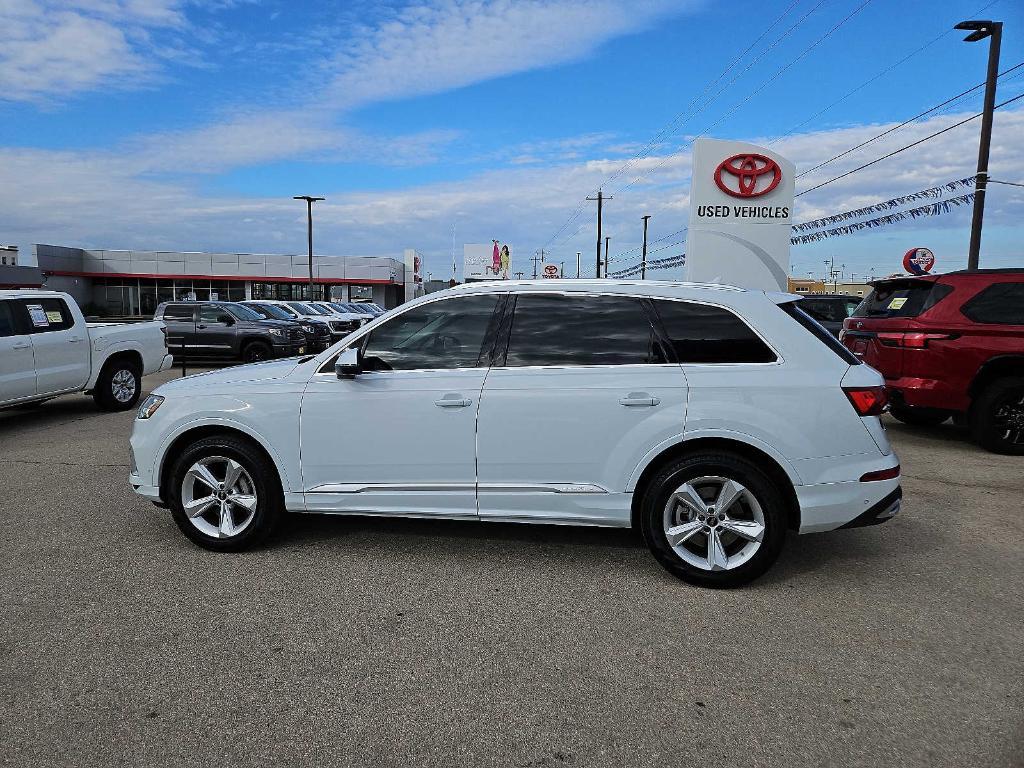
(149, 406)
(276, 332)
(309, 329)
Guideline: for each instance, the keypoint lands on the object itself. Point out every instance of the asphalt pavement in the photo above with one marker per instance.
(384, 642)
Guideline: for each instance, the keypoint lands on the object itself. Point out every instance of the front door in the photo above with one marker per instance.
(585, 392)
(17, 365)
(399, 438)
(60, 348)
(215, 331)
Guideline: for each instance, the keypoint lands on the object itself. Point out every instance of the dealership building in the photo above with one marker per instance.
(133, 283)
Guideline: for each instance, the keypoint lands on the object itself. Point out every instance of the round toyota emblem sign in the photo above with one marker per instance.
(550, 270)
(918, 261)
(748, 175)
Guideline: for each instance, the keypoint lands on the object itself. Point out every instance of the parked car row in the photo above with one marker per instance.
(257, 329)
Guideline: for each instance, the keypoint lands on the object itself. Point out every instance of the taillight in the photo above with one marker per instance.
(867, 401)
(912, 340)
(882, 474)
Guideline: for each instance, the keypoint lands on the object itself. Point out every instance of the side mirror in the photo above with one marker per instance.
(349, 364)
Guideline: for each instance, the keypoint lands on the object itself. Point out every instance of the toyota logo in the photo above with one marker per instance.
(739, 175)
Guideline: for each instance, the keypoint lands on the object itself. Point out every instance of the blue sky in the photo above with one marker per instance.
(189, 125)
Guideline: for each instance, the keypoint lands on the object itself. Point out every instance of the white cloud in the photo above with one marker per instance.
(55, 49)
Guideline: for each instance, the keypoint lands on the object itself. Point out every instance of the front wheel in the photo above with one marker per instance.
(118, 386)
(714, 520)
(997, 416)
(257, 351)
(224, 494)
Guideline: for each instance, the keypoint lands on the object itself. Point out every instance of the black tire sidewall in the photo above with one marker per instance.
(104, 392)
(248, 349)
(919, 417)
(269, 503)
(724, 465)
(983, 411)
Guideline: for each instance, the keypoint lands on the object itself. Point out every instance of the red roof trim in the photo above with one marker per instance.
(247, 278)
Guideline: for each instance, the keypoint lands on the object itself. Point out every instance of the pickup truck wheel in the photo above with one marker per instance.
(118, 386)
(255, 351)
(224, 494)
(713, 519)
(997, 416)
(919, 417)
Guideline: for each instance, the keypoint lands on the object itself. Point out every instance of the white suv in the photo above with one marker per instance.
(710, 418)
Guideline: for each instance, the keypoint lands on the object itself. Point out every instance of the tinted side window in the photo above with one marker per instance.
(442, 334)
(8, 327)
(551, 329)
(47, 315)
(215, 315)
(179, 312)
(1001, 303)
(702, 334)
(828, 310)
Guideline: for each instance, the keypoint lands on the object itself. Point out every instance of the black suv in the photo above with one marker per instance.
(830, 309)
(317, 330)
(225, 329)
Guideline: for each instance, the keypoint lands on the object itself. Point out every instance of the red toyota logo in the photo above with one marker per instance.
(748, 169)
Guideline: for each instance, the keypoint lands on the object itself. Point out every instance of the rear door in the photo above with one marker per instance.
(60, 348)
(180, 320)
(581, 392)
(17, 364)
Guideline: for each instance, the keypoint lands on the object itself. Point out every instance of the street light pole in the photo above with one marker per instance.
(309, 233)
(578, 255)
(643, 256)
(606, 255)
(994, 31)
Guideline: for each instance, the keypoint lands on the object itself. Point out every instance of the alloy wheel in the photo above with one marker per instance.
(219, 497)
(1009, 419)
(123, 385)
(714, 523)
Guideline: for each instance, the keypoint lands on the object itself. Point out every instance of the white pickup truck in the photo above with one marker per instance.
(47, 349)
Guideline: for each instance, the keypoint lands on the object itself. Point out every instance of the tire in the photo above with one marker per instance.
(119, 386)
(256, 351)
(248, 523)
(997, 416)
(919, 417)
(759, 504)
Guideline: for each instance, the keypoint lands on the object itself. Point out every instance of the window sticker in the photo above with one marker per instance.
(39, 320)
(897, 303)
(54, 316)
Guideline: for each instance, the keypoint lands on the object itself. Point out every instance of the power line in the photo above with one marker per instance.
(908, 146)
(904, 123)
(1008, 183)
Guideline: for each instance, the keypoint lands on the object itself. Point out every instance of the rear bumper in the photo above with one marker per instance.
(166, 363)
(926, 393)
(828, 506)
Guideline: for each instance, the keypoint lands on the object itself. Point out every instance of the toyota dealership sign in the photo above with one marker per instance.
(741, 203)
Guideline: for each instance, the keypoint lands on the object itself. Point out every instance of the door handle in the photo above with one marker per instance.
(634, 399)
(74, 339)
(201, 327)
(21, 346)
(453, 400)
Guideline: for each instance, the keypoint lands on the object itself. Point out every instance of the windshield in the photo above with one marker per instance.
(242, 312)
(271, 311)
(901, 298)
(304, 309)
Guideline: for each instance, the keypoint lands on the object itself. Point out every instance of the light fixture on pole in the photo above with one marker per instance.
(980, 29)
(309, 232)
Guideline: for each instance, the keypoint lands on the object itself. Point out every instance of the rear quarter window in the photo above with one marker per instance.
(699, 333)
(999, 304)
(179, 312)
(817, 330)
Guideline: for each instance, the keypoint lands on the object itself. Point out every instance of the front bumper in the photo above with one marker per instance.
(290, 349)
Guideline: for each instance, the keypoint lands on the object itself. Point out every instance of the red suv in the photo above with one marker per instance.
(949, 345)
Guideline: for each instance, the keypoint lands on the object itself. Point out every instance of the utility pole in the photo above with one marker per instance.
(561, 272)
(606, 255)
(538, 257)
(994, 31)
(643, 257)
(578, 255)
(309, 232)
(600, 200)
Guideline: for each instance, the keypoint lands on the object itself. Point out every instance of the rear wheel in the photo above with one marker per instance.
(997, 416)
(714, 520)
(224, 494)
(918, 417)
(118, 386)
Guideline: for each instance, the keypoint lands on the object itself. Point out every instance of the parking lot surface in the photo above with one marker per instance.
(385, 642)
